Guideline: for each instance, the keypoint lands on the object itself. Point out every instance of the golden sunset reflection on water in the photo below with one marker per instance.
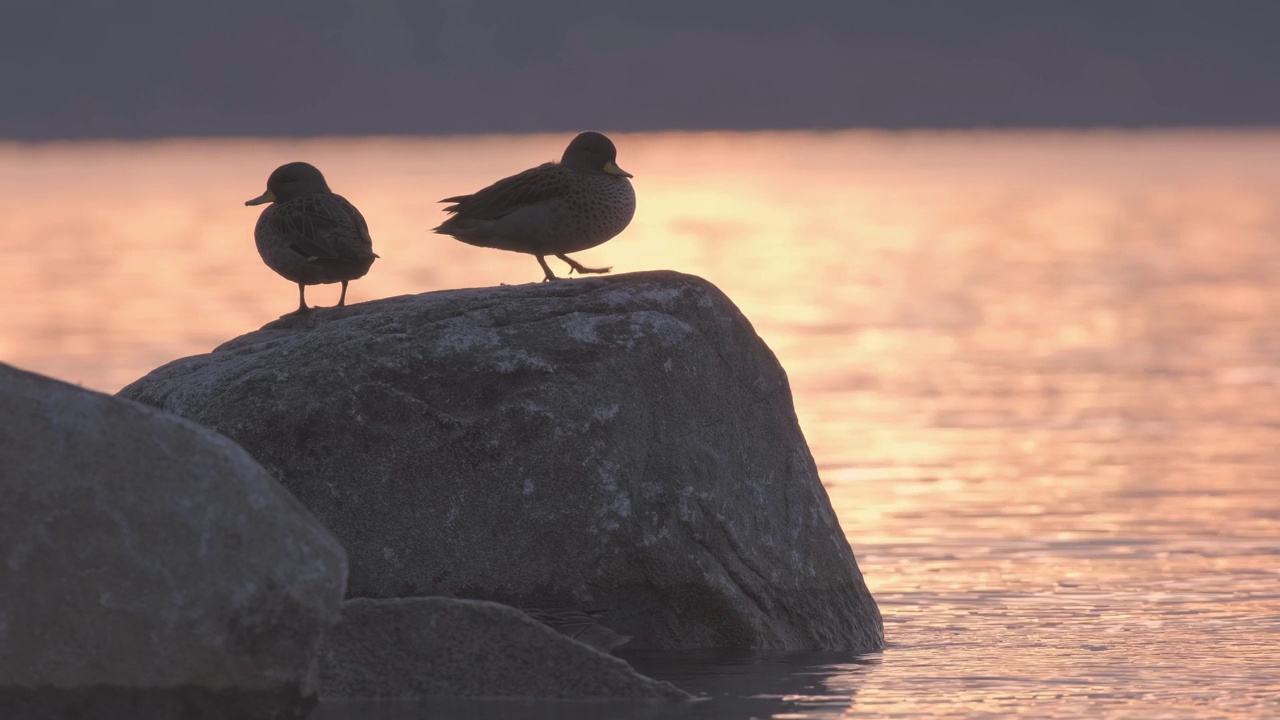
(1040, 372)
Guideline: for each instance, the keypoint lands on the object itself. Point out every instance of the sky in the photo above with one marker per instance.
(135, 68)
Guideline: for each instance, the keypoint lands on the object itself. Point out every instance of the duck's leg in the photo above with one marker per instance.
(546, 269)
(575, 265)
(342, 300)
(302, 300)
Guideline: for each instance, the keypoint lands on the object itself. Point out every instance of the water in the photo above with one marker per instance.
(1040, 374)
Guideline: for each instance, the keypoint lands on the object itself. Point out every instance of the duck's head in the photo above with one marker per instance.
(290, 181)
(593, 152)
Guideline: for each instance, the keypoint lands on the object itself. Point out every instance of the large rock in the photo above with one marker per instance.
(624, 443)
(149, 567)
(415, 647)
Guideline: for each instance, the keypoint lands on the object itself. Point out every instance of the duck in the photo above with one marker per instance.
(309, 234)
(555, 208)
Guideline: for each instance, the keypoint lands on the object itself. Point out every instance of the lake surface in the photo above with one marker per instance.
(1040, 374)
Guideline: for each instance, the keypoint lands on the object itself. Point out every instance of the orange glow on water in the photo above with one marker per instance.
(1040, 372)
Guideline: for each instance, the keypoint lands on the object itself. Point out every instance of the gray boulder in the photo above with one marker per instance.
(415, 647)
(149, 567)
(625, 444)
(582, 626)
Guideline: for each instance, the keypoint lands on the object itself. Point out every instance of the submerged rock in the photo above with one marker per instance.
(149, 567)
(625, 444)
(416, 647)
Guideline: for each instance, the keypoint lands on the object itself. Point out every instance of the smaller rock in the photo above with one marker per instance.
(149, 568)
(435, 646)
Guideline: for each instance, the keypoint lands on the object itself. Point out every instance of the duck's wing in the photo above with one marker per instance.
(533, 186)
(325, 228)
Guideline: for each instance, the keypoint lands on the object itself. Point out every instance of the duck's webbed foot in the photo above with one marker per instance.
(582, 269)
(546, 269)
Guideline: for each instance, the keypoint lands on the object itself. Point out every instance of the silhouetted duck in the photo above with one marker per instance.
(553, 209)
(309, 234)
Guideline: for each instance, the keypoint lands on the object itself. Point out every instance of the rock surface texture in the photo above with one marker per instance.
(149, 567)
(414, 647)
(625, 444)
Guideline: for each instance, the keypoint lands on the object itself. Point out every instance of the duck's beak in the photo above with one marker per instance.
(265, 197)
(612, 168)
